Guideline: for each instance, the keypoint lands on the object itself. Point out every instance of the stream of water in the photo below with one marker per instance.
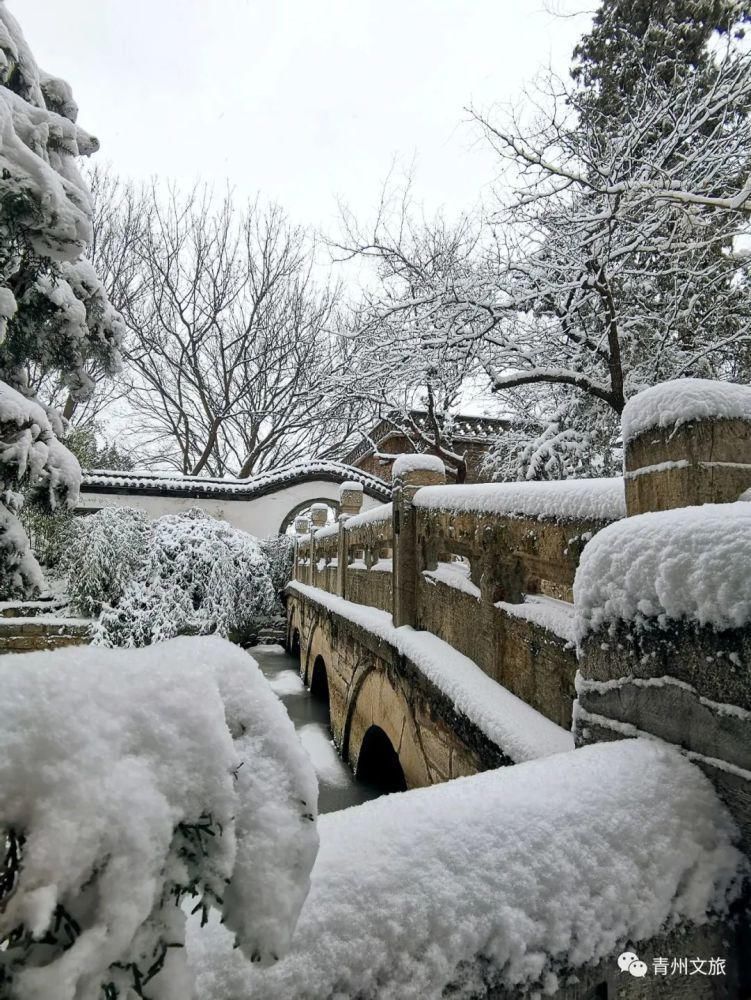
(338, 787)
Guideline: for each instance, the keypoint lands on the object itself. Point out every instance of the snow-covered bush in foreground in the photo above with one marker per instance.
(135, 785)
(505, 879)
(199, 576)
(103, 554)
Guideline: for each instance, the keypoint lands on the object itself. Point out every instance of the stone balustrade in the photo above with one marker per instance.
(496, 586)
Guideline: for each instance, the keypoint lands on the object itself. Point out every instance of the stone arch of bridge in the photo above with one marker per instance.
(376, 701)
(294, 634)
(319, 681)
(315, 646)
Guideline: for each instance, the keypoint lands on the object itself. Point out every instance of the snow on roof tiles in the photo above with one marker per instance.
(103, 480)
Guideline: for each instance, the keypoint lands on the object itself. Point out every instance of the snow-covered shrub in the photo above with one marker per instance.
(136, 786)
(280, 553)
(104, 552)
(199, 576)
(55, 318)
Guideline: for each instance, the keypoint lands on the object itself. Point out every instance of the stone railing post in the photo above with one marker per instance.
(350, 499)
(686, 443)
(302, 527)
(350, 504)
(319, 515)
(341, 558)
(410, 472)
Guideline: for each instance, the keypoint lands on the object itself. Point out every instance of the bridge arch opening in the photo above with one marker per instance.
(378, 764)
(319, 684)
(294, 643)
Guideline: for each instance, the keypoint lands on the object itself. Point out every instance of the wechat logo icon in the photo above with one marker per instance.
(629, 962)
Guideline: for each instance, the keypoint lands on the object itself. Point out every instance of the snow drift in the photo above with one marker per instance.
(130, 781)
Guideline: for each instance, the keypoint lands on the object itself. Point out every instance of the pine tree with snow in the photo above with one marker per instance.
(54, 313)
(669, 38)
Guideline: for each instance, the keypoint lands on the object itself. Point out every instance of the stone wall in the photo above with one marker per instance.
(31, 633)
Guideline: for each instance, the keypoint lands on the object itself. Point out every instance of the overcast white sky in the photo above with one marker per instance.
(301, 100)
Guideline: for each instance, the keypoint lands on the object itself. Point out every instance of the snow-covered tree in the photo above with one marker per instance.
(199, 576)
(600, 270)
(279, 550)
(228, 337)
(54, 314)
(104, 552)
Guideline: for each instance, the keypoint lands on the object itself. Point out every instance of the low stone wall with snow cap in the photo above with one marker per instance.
(663, 621)
(490, 887)
(687, 442)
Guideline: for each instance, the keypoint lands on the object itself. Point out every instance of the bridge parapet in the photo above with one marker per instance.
(487, 568)
(495, 567)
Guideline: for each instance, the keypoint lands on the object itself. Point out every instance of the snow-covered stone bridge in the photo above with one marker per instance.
(464, 627)
(262, 505)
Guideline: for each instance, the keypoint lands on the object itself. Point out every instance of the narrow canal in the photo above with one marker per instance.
(338, 787)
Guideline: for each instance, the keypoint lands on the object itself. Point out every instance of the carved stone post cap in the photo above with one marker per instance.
(350, 499)
(686, 443)
(319, 514)
(418, 470)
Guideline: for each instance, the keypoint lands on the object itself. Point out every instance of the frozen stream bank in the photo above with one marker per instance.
(338, 787)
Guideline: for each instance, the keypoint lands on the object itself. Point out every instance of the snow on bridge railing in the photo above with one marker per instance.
(461, 562)
(490, 568)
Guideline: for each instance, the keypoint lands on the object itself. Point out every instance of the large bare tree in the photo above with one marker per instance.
(229, 332)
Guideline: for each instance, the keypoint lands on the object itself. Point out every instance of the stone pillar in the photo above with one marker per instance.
(302, 527)
(319, 514)
(341, 557)
(350, 499)
(686, 443)
(350, 504)
(409, 474)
